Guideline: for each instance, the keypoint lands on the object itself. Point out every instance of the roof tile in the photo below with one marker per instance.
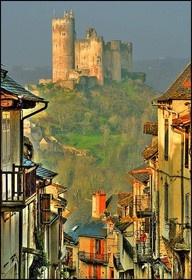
(180, 89)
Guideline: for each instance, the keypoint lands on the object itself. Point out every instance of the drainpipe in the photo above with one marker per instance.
(182, 179)
(21, 126)
(20, 241)
(1, 111)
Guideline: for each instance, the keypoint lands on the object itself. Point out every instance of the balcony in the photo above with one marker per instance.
(176, 236)
(142, 252)
(18, 187)
(143, 206)
(93, 258)
(70, 265)
(150, 128)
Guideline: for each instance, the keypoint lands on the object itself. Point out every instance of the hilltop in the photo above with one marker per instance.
(106, 123)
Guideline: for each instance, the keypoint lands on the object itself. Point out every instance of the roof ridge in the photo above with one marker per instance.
(177, 77)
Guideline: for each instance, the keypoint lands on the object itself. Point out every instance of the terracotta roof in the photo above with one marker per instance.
(143, 178)
(180, 89)
(150, 151)
(165, 260)
(141, 174)
(125, 199)
(182, 120)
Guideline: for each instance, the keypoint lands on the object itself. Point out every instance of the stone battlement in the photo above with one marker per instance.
(103, 60)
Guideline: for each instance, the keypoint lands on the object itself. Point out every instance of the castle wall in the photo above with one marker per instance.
(63, 37)
(89, 57)
(116, 60)
(107, 61)
(126, 56)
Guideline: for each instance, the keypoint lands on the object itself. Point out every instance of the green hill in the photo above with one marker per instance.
(107, 122)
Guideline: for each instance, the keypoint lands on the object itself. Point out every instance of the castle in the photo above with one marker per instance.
(77, 60)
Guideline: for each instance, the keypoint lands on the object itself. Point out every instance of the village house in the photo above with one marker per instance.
(174, 140)
(168, 156)
(26, 242)
(18, 189)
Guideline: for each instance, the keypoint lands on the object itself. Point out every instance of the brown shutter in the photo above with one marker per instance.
(45, 207)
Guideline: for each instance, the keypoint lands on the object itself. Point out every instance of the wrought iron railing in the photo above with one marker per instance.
(93, 257)
(143, 205)
(150, 128)
(142, 250)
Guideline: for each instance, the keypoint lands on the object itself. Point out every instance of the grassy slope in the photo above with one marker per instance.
(105, 121)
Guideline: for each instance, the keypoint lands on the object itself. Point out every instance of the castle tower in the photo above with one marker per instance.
(130, 56)
(116, 60)
(63, 38)
(89, 55)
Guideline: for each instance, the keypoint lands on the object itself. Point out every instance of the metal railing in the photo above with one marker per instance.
(150, 128)
(143, 205)
(93, 257)
(70, 265)
(143, 251)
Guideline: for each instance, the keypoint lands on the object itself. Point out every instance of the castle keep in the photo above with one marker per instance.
(74, 59)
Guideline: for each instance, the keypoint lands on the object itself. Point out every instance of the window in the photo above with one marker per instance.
(6, 137)
(166, 139)
(166, 190)
(98, 246)
(187, 147)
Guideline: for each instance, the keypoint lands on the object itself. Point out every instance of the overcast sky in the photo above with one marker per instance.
(156, 28)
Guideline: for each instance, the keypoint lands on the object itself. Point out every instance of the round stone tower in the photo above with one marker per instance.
(63, 38)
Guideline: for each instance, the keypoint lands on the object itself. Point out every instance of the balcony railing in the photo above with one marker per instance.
(143, 206)
(150, 128)
(143, 252)
(93, 258)
(18, 186)
(177, 236)
(70, 265)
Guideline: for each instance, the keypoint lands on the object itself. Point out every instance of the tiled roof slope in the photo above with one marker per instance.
(141, 174)
(9, 85)
(95, 228)
(180, 89)
(41, 172)
(150, 151)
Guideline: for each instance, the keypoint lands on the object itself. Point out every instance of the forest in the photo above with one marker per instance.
(106, 122)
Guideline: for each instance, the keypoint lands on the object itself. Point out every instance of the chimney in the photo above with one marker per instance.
(98, 204)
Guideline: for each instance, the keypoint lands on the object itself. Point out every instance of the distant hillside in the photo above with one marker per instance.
(105, 127)
(160, 73)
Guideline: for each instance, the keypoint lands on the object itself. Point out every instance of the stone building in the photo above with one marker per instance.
(91, 56)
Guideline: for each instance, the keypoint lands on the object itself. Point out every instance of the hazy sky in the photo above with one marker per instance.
(156, 28)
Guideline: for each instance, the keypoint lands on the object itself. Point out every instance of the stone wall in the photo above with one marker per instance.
(90, 56)
(63, 38)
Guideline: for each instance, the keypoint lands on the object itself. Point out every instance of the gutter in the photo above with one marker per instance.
(21, 126)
